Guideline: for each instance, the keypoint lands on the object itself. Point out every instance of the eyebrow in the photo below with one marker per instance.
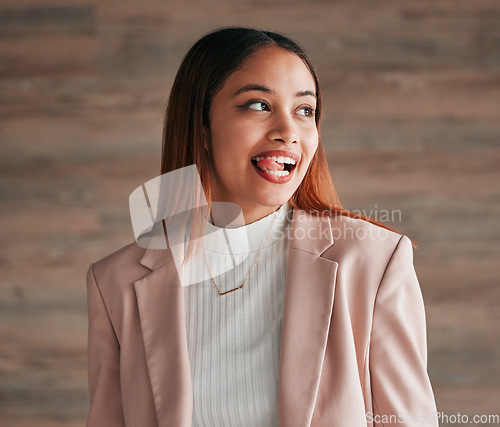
(250, 87)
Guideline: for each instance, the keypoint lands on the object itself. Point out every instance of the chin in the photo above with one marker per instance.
(274, 199)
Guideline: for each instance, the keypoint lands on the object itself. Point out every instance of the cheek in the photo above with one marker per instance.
(311, 144)
(229, 153)
(221, 144)
(233, 144)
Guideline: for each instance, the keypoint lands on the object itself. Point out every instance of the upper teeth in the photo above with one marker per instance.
(278, 159)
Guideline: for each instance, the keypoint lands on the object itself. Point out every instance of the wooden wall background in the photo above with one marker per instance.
(412, 103)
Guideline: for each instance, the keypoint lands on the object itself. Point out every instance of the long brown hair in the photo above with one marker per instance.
(201, 75)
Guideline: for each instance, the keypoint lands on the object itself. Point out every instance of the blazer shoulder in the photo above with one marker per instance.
(120, 267)
(357, 238)
(364, 252)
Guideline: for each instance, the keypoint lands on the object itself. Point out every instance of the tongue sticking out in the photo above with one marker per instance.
(271, 165)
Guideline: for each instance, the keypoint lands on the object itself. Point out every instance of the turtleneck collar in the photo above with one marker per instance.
(250, 237)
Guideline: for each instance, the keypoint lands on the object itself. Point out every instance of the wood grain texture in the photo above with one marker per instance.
(410, 125)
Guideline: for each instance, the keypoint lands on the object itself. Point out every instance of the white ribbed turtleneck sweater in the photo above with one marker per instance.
(234, 340)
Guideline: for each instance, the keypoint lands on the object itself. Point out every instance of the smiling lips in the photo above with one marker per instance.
(276, 166)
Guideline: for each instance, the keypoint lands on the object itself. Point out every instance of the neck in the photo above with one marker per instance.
(257, 214)
(231, 215)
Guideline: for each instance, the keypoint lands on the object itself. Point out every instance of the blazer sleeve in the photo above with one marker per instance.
(103, 362)
(401, 388)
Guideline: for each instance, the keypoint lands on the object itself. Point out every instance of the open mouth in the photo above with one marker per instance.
(279, 166)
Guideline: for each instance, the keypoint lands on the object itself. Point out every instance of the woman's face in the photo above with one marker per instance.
(263, 132)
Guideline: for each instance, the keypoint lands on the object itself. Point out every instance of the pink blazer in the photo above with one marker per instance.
(353, 347)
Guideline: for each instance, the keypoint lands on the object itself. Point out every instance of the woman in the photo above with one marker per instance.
(304, 315)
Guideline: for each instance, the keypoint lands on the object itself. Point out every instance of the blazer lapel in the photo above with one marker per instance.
(307, 311)
(160, 299)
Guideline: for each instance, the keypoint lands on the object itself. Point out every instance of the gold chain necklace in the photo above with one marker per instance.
(251, 269)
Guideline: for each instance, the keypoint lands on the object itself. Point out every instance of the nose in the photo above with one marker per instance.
(283, 129)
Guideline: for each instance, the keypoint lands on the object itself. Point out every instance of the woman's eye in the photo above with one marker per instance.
(257, 105)
(306, 111)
